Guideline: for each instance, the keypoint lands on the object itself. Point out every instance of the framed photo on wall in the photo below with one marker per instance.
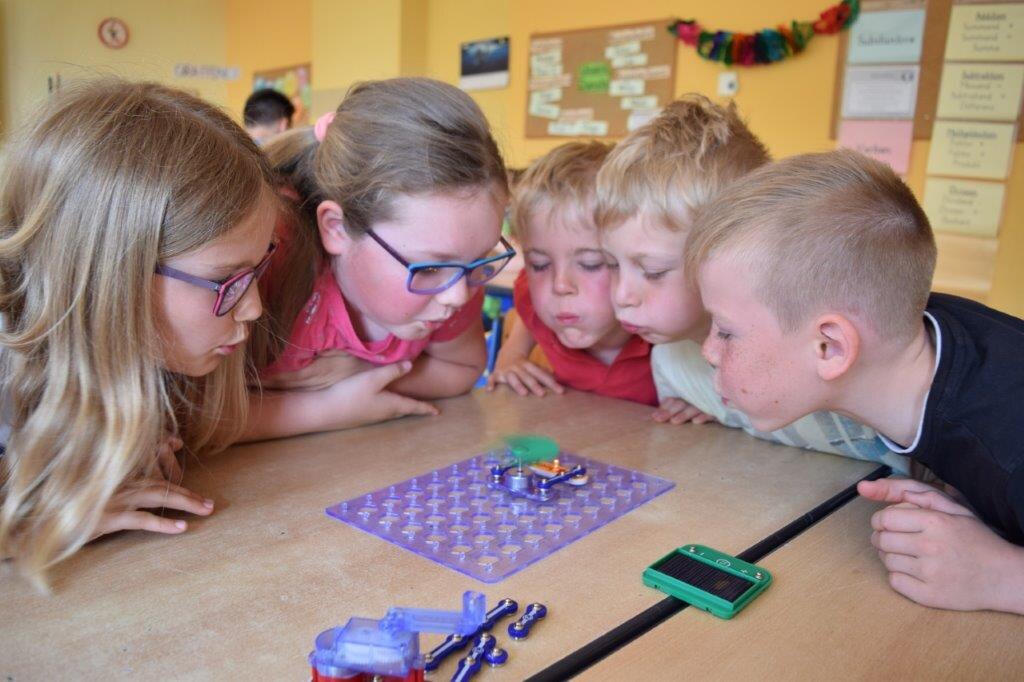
(484, 64)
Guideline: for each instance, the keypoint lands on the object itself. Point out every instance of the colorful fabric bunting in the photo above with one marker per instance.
(767, 46)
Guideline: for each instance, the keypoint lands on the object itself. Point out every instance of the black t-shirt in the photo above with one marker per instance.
(973, 431)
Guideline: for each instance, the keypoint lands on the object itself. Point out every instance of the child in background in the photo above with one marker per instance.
(816, 272)
(648, 192)
(398, 200)
(133, 220)
(562, 297)
(267, 113)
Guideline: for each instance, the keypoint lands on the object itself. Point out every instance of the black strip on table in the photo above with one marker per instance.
(620, 636)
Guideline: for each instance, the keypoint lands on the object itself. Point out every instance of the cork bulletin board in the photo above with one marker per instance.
(599, 82)
(932, 59)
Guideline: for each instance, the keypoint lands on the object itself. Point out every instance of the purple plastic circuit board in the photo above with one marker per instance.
(451, 516)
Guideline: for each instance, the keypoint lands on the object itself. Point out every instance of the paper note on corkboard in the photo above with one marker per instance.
(599, 82)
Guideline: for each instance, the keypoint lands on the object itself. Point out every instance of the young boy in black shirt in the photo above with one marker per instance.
(816, 271)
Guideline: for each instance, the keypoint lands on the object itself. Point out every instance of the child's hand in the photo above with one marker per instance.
(363, 398)
(678, 411)
(368, 399)
(522, 376)
(167, 460)
(327, 369)
(124, 511)
(940, 554)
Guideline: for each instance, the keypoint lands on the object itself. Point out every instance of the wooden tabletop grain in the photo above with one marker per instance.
(244, 592)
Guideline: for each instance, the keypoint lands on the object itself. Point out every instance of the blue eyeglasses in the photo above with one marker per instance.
(430, 278)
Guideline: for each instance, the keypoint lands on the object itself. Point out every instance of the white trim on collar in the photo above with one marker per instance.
(920, 425)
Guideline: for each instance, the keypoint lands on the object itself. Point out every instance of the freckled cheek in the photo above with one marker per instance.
(765, 380)
(726, 370)
(741, 372)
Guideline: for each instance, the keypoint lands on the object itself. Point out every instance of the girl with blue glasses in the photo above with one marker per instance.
(374, 298)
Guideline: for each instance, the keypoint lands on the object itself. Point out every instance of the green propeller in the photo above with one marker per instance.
(529, 449)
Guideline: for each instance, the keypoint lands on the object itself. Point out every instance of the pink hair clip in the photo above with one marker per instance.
(320, 129)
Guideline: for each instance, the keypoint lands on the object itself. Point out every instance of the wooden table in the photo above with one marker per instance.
(243, 594)
(828, 614)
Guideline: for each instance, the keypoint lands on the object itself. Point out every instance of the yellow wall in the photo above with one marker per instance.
(355, 40)
(452, 22)
(264, 34)
(412, 59)
(45, 37)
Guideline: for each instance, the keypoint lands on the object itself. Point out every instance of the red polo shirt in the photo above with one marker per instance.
(628, 377)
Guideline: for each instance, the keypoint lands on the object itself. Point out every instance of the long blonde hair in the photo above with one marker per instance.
(389, 138)
(112, 178)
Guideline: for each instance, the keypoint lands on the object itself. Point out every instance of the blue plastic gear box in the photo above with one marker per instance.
(367, 648)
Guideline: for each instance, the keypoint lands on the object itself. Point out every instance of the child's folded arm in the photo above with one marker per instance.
(938, 553)
(328, 368)
(514, 369)
(447, 368)
(362, 398)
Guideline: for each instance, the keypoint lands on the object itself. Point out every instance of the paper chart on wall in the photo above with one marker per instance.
(991, 33)
(886, 37)
(880, 92)
(972, 150)
(886, 141)
(964, 206)
(989, 92)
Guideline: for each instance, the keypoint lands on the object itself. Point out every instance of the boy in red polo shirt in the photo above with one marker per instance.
(562, 296)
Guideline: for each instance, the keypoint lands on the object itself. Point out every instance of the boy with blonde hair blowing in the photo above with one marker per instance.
(562, 296)
(816, 273)
(648, 191)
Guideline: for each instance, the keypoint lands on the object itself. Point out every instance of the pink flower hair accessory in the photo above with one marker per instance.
(320, 128)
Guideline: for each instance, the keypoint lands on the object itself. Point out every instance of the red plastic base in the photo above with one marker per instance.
(415, 675)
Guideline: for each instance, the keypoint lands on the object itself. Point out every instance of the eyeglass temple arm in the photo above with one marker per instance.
(168, 271)
(386, 247)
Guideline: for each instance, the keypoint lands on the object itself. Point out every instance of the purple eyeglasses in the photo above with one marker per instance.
(430, 278)
(229, 291)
